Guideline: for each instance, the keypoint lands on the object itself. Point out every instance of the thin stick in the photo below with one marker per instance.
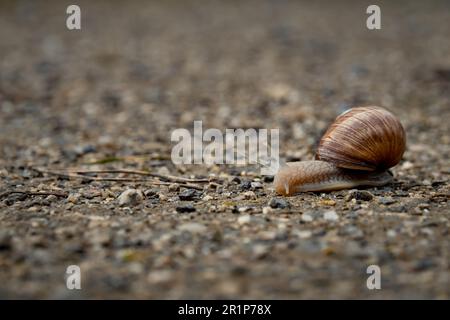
(88, 178)
(34, 193)
(140, 172)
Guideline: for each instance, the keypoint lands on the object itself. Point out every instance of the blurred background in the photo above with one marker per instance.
(135, 72)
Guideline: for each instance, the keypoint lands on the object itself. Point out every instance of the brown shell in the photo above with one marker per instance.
(363, 138)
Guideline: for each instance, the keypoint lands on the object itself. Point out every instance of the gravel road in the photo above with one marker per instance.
(108, 96)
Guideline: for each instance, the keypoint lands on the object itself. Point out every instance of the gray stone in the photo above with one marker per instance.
(189, 194)
(278, 203)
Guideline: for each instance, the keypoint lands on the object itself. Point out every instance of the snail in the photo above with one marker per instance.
(357, 150)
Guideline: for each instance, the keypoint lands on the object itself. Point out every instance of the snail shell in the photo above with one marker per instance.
(363, 138)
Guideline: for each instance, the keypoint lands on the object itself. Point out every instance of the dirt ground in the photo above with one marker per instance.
(108, 97)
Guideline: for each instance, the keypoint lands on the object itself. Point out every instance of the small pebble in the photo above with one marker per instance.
(5, 240)
(160, 276)
(256, 185)
(391, 233)
(423, 205)
(267, 210)
(407, 165)
(278, 203)
(245, 219)
(423, 264)
(260, 251)
(173, 187)
(327, 202)
(359, 195)
(193, 227)
(151, 193)
(73, 197)
(399, 208)
(245, 209)
(331, 215)
(207, 198)
(304, 234)
(236, 180)
(163, 171)
(386, 200)
(189, 194)
(245, 185)
(51, 198)
(249, 195)
(185, 208)
(131, 197)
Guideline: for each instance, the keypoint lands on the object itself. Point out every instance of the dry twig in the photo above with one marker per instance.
(69, 175)
(34, 193)
(142, 173)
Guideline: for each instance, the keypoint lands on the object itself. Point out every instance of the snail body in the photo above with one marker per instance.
(316, 175)
(356, 150)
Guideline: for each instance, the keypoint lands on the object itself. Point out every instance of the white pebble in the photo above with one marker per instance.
(249, 195)
(256, 185)
(331, 215)
(244, 219)
(304, 234)
(207, 198)
(131, 197)
(267, 210)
